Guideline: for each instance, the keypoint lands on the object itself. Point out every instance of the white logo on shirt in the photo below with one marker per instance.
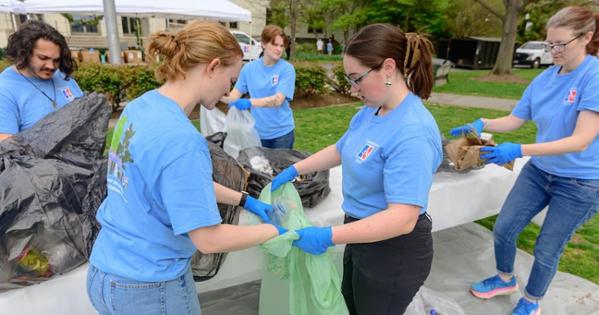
(274, 80)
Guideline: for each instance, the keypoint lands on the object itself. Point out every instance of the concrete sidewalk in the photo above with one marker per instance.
(473, 101)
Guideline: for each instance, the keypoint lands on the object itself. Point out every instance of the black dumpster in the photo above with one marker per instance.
(470, 52)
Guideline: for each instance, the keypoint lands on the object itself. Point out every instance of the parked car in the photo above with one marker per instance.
(251, 47)
(532, 54)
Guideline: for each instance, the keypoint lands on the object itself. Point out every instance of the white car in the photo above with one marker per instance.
(532, 54)
(251, 48)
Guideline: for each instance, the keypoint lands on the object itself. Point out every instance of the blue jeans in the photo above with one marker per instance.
(571, 201)
(282, 142)
(114, 295)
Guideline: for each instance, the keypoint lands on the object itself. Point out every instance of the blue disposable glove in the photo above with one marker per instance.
(314, 240)
(241, 104)
(281, 229)
(502, 154)
(258, 208)
(285, 176)
(475, 126)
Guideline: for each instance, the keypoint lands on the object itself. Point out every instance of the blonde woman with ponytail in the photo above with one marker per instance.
(161, 201)
(389, 155)
(563, 171)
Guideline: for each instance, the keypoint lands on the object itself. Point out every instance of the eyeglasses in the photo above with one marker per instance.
(355, 82)
(558, 48)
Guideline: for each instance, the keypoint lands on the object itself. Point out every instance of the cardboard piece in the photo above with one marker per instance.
(464, 152)
(90, 56)
(133, 57)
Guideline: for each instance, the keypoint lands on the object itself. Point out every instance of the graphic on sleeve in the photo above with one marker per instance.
(118, 156)
(366, 151)
(571, 97)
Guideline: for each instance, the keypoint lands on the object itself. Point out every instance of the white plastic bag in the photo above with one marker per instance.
(241, 134)
(211, 121)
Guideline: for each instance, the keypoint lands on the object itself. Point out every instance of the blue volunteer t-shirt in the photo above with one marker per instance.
(159, 189)
(553, 101)
(389, 159)
(22, 105)
(263, 81)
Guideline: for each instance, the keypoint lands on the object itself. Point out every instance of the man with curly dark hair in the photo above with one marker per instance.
(38, 82)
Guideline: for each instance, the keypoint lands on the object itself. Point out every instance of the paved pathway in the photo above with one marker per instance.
(473, 101)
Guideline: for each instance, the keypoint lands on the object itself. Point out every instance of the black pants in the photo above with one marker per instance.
(382, 278)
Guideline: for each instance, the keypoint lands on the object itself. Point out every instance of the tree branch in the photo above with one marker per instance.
(488, 7)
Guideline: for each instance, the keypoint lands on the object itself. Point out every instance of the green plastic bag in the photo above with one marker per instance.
(309, 284)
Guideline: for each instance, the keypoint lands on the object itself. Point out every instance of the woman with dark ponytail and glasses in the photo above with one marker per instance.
(389, 154)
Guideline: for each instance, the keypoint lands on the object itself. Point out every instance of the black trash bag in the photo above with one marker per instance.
(217, 138)
(227, 172)
(264, 163)
(52, 179)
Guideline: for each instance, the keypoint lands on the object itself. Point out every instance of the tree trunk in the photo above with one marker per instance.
(503, 64)
(293, 26)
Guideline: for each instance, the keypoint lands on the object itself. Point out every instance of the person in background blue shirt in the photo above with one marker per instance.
(39, 81)
(270, 82)
(161, 202)
(389, 155)
(563, 172)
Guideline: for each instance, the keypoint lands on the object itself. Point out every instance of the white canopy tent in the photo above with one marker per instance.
(13, 7)
(222, 10)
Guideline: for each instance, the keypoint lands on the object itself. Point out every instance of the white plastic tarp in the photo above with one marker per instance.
(12, 6)
(221, 10)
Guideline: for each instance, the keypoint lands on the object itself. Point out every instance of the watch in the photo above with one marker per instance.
(244, 197)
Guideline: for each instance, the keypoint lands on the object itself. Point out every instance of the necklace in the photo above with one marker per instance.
(52, 100)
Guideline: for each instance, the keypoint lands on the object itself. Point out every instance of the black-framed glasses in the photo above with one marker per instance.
(355, 82)
(558, 48)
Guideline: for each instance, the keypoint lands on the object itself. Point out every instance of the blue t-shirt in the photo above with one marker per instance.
(553, 101)
(22, 105)
(389, 159)
(263, 81)
(159, 189)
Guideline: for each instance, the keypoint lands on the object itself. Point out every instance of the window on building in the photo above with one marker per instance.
(233, 25)
(129, 24)
(314, 30)
(84, 24)
(175, 23)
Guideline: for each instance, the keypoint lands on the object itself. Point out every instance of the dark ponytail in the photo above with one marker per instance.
(412, 54)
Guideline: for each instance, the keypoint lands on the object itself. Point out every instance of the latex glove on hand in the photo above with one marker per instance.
(258, 208)
(281, 229)
(475, 126)
(287, 175)
(314, 240)
(241, 104)
(502, 154)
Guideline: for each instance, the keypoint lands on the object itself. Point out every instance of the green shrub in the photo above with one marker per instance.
(105, 79)
(309, 79)
(309, 48)
(4, 63)
(343, 86)
(138, 80)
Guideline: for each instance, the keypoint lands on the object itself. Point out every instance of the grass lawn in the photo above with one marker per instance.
(319, 127)
(462, 82)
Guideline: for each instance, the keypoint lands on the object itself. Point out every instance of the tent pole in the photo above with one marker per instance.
(112, 31)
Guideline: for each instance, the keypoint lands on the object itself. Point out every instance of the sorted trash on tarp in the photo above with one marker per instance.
(227, 172)
(312, 281)
(464, 152)
(53, 179)
(265, 163)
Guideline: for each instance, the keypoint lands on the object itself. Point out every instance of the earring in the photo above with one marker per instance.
(388, 83)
